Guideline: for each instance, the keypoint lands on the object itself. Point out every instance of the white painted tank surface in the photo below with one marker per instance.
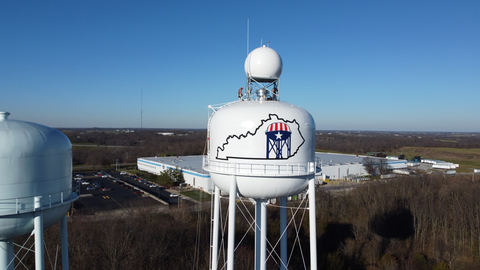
(269, 146)
(35, 163)
(263, 64)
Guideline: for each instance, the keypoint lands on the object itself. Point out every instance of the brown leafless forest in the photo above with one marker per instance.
(104, 147)
(422, 222)
(427, 222)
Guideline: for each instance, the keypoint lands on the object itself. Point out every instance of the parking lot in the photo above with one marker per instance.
(107, 191)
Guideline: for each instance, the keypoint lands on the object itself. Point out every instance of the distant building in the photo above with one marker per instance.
(191, 166)
(330, 166)
(342, 166)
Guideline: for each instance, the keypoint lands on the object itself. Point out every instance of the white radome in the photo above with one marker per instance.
(264, 64)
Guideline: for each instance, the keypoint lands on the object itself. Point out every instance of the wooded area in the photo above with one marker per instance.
(426, 222)
(104, 147)
(362, 142)
(418, 223)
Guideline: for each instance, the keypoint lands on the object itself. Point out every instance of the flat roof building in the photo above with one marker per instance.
(191, 167)
(330, 165)
(342, 166)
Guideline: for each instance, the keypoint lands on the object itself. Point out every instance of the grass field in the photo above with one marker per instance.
(466, 158)
(197, 195)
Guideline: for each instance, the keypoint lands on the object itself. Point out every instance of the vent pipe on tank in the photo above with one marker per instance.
(4, 116)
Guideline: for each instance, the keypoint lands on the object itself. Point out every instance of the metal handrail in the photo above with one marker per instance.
(20, 205)
(260, 169)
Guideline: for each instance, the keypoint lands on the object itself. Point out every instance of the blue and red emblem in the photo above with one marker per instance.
(278, 140)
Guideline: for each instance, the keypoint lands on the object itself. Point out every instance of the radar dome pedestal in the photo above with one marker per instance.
(35, 178)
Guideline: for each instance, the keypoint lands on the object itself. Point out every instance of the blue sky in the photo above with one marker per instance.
(354, 65)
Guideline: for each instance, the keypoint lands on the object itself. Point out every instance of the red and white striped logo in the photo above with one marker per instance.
(278, 127)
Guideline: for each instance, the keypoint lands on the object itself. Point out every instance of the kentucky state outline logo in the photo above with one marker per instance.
(274, 138)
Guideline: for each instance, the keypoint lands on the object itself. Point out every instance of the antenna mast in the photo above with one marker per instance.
(248, 34)
(141, 108)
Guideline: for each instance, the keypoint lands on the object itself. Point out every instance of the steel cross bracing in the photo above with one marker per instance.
(261, 90)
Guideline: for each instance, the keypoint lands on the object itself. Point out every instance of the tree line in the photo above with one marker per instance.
(363, 142)
(105, 147)
(421, 223)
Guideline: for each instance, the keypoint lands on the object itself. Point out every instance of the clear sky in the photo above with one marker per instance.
(354, 65)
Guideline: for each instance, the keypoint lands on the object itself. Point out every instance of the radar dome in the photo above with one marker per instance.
(264, 64)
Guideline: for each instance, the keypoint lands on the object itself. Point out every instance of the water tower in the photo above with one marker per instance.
(261, 148)
(36, 186)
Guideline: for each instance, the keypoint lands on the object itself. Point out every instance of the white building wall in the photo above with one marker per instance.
(341, 171)
(194, 179)
(197, 180)
(203, 181)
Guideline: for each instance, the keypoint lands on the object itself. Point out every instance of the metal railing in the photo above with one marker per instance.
(259, 169)
(21, 205)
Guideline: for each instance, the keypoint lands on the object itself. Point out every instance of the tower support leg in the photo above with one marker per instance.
(38, 231)
(313, 224)
(263, 242)
(216, 214)
(64, 239)
(283, 232)
(260, 234)
(6, 254)
(231, 223)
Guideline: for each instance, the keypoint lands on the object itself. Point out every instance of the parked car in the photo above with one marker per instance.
(106, 189)
(136, 191)
(90, 188)
(85, 183)
(159, 188)
(122, 173)
(174, 195)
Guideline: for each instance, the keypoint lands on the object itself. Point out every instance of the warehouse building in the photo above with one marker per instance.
(329, 166)
(342, 166)
(191, 167)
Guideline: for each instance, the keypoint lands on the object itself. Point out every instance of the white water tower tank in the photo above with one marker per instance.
(269, 146)
(35, 175)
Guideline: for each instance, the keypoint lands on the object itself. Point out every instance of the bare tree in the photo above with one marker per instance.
(370, 166)
(382, 166)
